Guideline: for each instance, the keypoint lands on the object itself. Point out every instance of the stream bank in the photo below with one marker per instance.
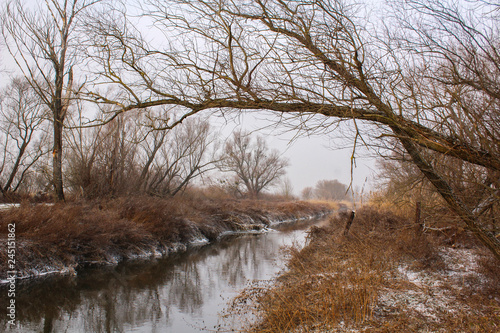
(184, 292)
(385, 275)
(62, 238)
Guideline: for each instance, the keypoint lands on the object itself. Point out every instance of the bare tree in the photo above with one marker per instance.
(84, 148)
(41, 40)
(330, 190)
(405, 186)
(313, 58)
(173, 158)
(307, 193)
(21, 120)
(103, 161)
(254, 164)
(286, 189)
(130, 156)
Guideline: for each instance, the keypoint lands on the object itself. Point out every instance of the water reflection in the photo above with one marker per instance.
(182, 293)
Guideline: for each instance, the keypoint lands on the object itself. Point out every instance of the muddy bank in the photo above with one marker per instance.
(61, 238)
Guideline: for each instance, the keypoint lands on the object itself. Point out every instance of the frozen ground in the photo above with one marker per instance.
(427, 294)
(434, 299)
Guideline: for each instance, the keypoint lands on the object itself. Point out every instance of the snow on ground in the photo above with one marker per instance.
(7, 206)
(427, 294)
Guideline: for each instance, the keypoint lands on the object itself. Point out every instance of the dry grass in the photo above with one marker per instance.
(72, 234)
(333, 204)
(383, 277)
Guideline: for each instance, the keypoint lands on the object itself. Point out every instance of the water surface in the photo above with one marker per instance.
(182, 293)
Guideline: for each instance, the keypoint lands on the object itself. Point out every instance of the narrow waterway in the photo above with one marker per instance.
(182, 293)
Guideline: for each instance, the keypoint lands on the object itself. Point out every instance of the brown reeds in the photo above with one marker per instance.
(381, 277)
(71, 234)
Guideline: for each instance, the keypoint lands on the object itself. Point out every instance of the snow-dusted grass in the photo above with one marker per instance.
(428, 294)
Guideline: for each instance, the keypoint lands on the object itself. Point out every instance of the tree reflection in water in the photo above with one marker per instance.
(181, 293)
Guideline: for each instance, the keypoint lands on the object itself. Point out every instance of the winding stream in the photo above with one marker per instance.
(182, 293)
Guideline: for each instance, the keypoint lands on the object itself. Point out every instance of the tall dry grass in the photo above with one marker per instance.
(335, 283)
(77, 233)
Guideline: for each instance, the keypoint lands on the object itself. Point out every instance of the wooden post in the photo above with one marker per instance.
(349, 222)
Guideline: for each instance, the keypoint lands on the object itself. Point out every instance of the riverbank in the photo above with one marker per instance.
(61, 238)
(384, 276)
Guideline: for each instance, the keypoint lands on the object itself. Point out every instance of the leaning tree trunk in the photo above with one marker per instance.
(445, 190)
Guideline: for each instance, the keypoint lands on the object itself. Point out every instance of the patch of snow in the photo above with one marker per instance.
(9, 206)
(48, 270)
(459, 261)
(177, 247)
(243, 232)
(200, 241)
(64, 271)
(433, 292)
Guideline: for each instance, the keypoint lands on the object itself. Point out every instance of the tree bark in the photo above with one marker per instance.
(15, 167)
(57, 160)
(445, 190)
(349, 222)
